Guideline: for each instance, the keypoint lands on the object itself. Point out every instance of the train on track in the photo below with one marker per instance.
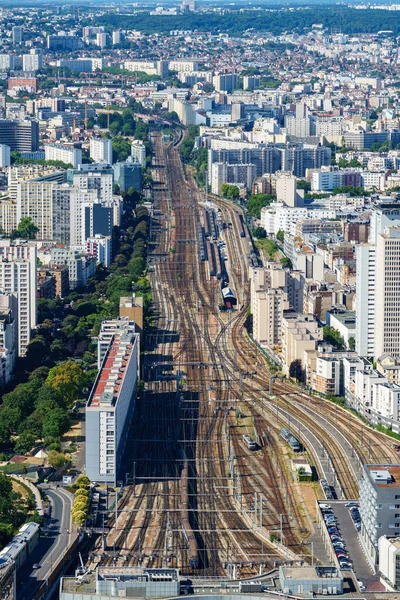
(202, 246)
(242, 226)
(229, 297)
(211, 228)
(250, 443)
(290, 439)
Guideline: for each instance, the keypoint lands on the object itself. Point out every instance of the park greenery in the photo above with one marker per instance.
(256, 202)
(59, 367)
(187, 146)
(230, 191)
(17, 159)
(237, 22)
(14, 510)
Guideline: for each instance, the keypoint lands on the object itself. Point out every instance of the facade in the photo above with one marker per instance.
(128, 174)
(99, 246)
(81, 65)
(387, 335)
(8, 335)
(365, 299)
(379, 505)
(7, 62)
(18, 276)
(132, 307)
(243, 174)
(138, 152)
(110, 409)
(101, 150)
(101, 182)
(300, 334)
(32, 61)
(65, 154)
(80, 265)
(17, 34)
(63, 42)
(225, 82)
(389, 561)
(20, 135)
(5, 155)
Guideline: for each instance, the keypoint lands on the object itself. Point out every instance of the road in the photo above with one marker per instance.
(55, 539)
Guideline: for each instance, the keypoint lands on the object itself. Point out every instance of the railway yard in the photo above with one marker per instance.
(210, 489)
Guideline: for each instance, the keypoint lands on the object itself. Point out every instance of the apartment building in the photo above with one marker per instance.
(379, 506)
(18, 276)
(48, 205)
(8, 335)
(65, 154)
(300, 335)
(20, 135)
(110, 328)
(387, 335)
(110, 408)
(138, 152)
(365, 299)
(99, 246)
(389, 561)
(101, 150)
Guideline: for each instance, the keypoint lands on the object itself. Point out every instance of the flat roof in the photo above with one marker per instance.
(13, 548)
(112, 373)
(384, 476)
(309, 572)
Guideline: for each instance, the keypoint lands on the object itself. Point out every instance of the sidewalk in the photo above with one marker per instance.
(33, 489)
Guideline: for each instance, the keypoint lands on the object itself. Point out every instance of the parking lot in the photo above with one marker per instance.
(350, 537)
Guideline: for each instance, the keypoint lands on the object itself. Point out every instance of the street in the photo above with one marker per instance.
(55, 538)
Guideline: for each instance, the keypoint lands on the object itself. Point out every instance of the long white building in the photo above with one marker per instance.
(65, 154)
(110, 408)
(387, 331)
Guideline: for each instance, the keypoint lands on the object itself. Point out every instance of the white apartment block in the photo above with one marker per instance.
(183, 66)
(365, 299)
(32, 61)
(81, 65)
(330, 128)
(48, 205)
(78, 200)
(8, 216)
(5, 155)
(279, 216)
(372, 180)
(138, 152)
(8, 335)
(387, 335)
(7, 62)
(18, 276)
(221, 173)
(65, 154)
(267, 316)
(80, 265)
(327, 377)
(389, 561)
(99, 246)
(101, 150)
(379, 505)
(300, 335)
(110, 409)
(102, 183)
(108, 330)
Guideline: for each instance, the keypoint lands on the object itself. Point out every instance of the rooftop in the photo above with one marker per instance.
(384, 476)
(26, 533)
(309, 572)
(112, 373)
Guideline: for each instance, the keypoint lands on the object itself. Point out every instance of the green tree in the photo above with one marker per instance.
(260, 232)
(286, 263)
(25, 442)
(230, 191)
(280, 236)
(26, 229)
(256, 202)
(296, 370)
(332, 336)
(67, 380)
(352, 344)
(56, 459)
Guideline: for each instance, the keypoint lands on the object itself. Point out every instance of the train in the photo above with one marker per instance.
(211, 258)
(229, 297)
(187, 528)
(250, 443)
(201, 242)
(242, 226)
(290, 439)
(221, 269)
(210, 224)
